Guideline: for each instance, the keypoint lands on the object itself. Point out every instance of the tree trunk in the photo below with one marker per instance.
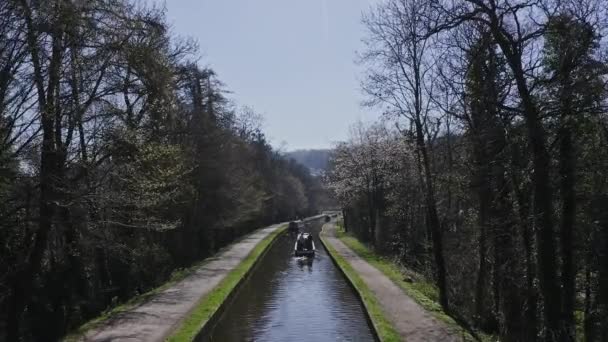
(433, 219)
(25, 277)
(532, 297)
(371, 214)
(508, 266)
(602, 300)
(567, 172)
(543, 212)
(523, 205)
(543, 192)
(588, 319)
(484, 198)
(481, 284)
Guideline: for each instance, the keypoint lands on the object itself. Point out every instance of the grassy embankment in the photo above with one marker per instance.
(178, 275)
(209, 304)
(417, 287)
(382, 326)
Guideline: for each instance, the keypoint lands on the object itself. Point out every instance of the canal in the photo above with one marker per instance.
(292, 299)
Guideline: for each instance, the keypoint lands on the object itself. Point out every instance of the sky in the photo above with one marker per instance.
(292, 61)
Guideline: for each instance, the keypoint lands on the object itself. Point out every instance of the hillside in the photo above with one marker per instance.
(315, 160)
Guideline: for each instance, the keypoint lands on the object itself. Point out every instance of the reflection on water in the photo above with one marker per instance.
(305, 263)
(294, 299)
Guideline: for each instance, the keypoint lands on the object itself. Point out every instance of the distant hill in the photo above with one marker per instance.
(315, 160)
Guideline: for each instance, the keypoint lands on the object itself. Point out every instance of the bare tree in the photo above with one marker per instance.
(398, 63)
(515, 28)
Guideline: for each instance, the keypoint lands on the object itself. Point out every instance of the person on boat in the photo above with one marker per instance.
(309, 242)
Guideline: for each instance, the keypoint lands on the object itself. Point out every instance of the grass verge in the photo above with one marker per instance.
(208, 305)
(176, 276)
(421, 291)
(383, 327)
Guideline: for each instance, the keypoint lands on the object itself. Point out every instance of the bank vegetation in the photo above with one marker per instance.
(122, 159)
(487, 172)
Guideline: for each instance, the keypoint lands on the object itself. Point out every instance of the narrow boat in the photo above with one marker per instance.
(293, 228)
(305, 246)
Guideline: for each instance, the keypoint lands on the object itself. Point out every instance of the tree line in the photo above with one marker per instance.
(121, 159)
(487, 172)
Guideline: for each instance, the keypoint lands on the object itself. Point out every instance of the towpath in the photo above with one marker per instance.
(410, 320)
(155, 319)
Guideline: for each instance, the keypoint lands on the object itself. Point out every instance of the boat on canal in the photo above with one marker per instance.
(295, 227)
(305, 246)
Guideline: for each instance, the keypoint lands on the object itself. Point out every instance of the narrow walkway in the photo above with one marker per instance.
(155, 319)
(410, 320)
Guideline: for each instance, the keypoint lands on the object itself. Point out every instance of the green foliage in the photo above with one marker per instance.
(150, 183)
(120, 161)
(499, 188)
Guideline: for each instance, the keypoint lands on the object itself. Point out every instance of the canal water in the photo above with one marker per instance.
(293, 299)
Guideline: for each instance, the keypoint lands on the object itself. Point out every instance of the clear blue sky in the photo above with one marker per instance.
(293, 61)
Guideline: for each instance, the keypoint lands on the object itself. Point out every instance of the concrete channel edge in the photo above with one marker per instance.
(209, 324)
(368, 317)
